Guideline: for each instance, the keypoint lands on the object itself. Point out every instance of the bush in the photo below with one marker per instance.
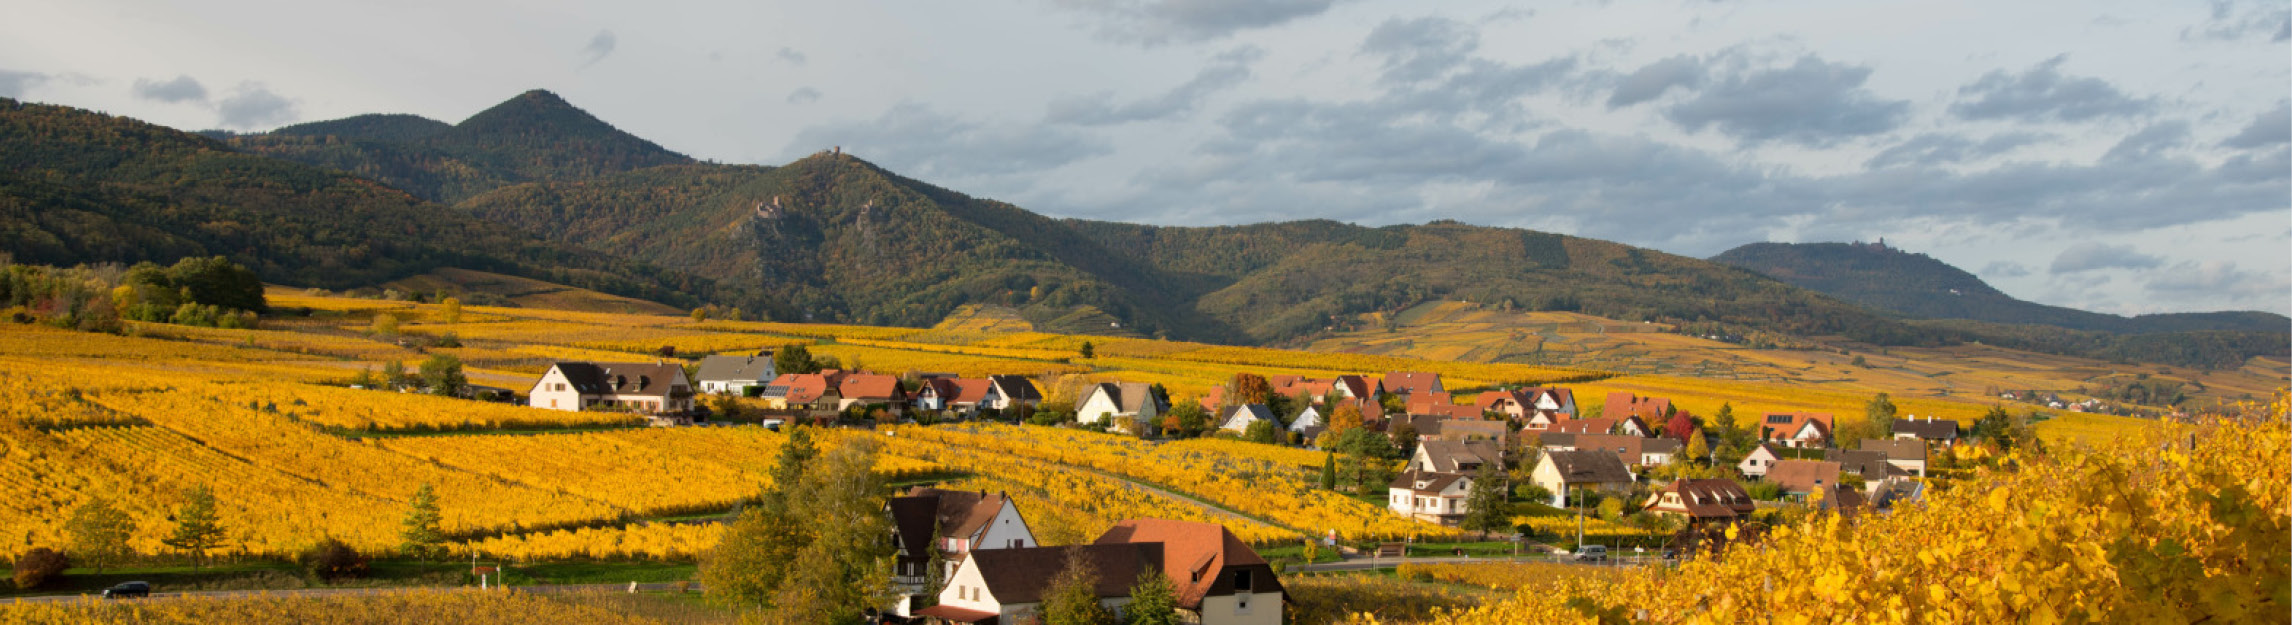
(333, 559)
(38, 566)
(1532, 492)
(1764, 491)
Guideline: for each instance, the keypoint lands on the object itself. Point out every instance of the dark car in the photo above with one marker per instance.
(128, 589)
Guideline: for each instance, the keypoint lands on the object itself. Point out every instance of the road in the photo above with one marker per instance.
(340, 592)
(1364, 563)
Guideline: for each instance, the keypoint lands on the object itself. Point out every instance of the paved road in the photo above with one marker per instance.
(339, 592)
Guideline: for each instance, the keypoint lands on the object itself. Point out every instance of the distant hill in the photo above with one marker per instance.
(1923, 287)
(536, 136)
(83, 187)
(492, 289)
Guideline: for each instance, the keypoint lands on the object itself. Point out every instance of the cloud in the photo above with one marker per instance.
(915, 140)
(1943, 149)
(2150, 141)
(2005, 269)
(252, 105)
(1652, 80)
(2043, 93)
(180, 89)
(791, 55)
(2270, 128)
(14, 84)
(2220, 281)
(1155, 22)
(1223, 72)
(2231, 21)
(1811, 102)
(804, 95)
(2093, 256)
(1420, 49)
(600, 46)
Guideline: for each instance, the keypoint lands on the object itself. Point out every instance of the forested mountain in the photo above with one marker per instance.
(1920, 286)
(83, 187)
(535, 136)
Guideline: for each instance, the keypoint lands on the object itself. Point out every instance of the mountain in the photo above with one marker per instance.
(1920, 286)
(536, 136)
(84, 187)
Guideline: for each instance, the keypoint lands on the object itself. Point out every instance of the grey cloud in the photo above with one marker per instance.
(915, 140)
(600, 46)
(14, 84)
(1649, 82)
(1154, 22)
(2043, 92)
(2005, 269)
(2150, 141)
(804, 95)
(252, 105)
(2270, 128)
(179, 89)
(791, 55)
(1420, 49)
(1224, 72)
(2092, 256)
(2231, 21)
(2220, 281)
(1811, 102)
(1941, 149)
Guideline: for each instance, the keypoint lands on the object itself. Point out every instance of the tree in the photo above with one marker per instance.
(1260, 431)
(393, 374)
(1088, 351)
(934, 571)
(1881, 411)
(1072, 597)
(699, 314)
(1186, 419)
(1697, 448)
(794, 359)
(196, 528)
(1405, 436)
(1487, 508)
(442, 375)
(844, 565)
(1328, 470)
(364, 378)
(796, 455)
(99, 534)
(450, 310)
(384, 325)
(420, 537)
(1346, 416)
(331, 560)
(1154, 599)
(39, 565)
(1248, 388)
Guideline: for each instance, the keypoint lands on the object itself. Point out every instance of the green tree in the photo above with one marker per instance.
(794, 359)
(1089, 351)
(393, 374)
(1488, 507)
(844, 565)
(796, 455)
(1072, 597)
(934, 571)
(99, 534)
(196, 528)
(1328, 470)
(442, 375)
(450, 310)
(1260, 431)
(419, 534)
(1154, 599)
(364, 378)
(1881, 411)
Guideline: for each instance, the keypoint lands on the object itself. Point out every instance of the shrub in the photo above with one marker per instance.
(38, 566)
(333, 559)
(1532, 492)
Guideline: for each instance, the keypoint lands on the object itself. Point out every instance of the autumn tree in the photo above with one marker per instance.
(419, 536)
(450, 310)
(1346, 416)
(1072, 596)
(1697, 448)
(394, 374)
(1248, 388)
(99, 534)
(384, 325)
(196, 528)
(844, 564)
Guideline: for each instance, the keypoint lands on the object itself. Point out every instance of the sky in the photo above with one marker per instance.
(2125, 157)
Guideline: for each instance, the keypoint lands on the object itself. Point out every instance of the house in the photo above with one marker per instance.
(1800, 477)
(1553, 399)
(1005, 586)
(870, 389)
(1648, 409)
(1796, 429)
(1239, 418)
(1541, 420)
(1439, 406)
(1315, 391)
(1907, 454)
(1012, 391)
(1845, 501)
(735, 374)
(1359, 388)
(1634, 426)
(932, 394)
(1220, 580)
(1512, 403)
(1759, 461)
(1430, 497)
(1413, 385)
(953, 395)
(1595, 470)
(1873, 466)
(654, 388)
(1474, 429)
(800, 391)
(1702, 501)
(1585, 426)
(1308, 424)
(1133, 401)
(1942, 432)
(1632, 450)
(1458, 457)
(955, 523)
(1556, 441)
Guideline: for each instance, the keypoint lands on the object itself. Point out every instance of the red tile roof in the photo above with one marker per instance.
(1196, 556)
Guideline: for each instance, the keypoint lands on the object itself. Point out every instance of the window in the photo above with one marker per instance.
(1018, 542)
(1241, 581)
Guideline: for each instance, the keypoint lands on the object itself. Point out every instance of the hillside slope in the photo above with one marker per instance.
(534, 136)
(84, 187)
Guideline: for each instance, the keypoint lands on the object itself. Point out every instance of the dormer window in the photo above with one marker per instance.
(1241, 581)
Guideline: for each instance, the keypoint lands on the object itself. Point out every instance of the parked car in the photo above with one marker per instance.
(128, 589)
(1592, 553)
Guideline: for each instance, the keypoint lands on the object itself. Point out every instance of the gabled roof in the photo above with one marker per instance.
(1128, 397)
(801, 387)
(1584, 426)
(1195, 556)
(1622, 405)
(1871, 465)
(1017, 387)
(1238, 417)
(870, 386)
(736, 368)
(1627, 448)
(1929, 428)
(1588, 466)
(969, 390)
(1909, 449)
(1426, 483)
(621, 378)
(1359, 386)
(958, 513)
(1309, 419)
(1020, 575)
(1446, 456)
(1784, 425)
(1562, 396)
(1460, 429)
(1801, 476)
(1411, 383)
(1706, 498)
(1491, 400)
